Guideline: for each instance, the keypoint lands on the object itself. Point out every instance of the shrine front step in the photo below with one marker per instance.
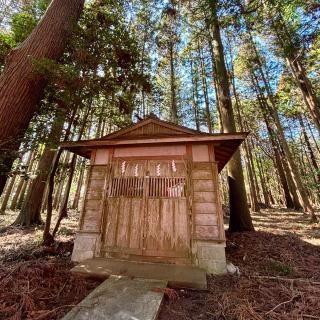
(121, 298)
(175, 275)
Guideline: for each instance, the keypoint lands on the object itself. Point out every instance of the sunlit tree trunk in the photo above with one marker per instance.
(253, 190)
(47, 236)
(30, 212)
(64, 205)
(280, 133)
(76, 199)
(205, 89)
(22, 181)
(240, 219)
(310, 151)
(266, 194)
(173, 91)
(22, 194)
(195, 97)
(7, 194)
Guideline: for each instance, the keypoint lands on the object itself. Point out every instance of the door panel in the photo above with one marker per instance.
(123, 229)
(147, 215)
(167, 227)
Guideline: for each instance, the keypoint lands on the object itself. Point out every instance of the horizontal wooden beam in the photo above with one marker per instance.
(101, 143)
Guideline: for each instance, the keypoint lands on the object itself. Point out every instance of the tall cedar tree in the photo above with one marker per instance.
(240, 219)
(21, 88)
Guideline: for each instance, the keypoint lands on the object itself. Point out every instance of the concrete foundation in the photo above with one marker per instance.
(175, 275)
(86, 246)
(207, 254)
(210, 256)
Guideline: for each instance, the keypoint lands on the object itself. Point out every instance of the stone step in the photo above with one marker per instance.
(176, 275)
(121, 298)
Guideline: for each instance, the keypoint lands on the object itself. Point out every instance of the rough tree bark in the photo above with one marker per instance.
(205, 89)
(75, 203)
(174, 108)
(48, 238)
(22, 181)
(21, 87)
(307, 206)
(195, 97)
(248, 154)
(310, 151)
(30, 213)
(64, 205)
(7, 194)
(240, 219)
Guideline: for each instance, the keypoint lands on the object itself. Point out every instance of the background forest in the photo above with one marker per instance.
(186, 62)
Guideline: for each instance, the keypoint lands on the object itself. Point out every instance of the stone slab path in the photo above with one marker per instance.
(121, 298)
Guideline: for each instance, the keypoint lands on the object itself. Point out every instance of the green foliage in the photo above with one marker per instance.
(99, 71)
(22, 25)
(6, 44)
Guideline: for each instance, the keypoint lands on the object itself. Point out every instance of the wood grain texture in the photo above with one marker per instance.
(206, 232)
(206, 220)
(203, 185)
(204, 196)
(204, 207)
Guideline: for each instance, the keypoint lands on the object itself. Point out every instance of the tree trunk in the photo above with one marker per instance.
(205, 89)
(288, 199)
(22, 194)
(195, 98)
(61, 182)
(174, 108)
(47, 237)
(76, 199)
(250, 168)
(17, 193)
(7, 194)
(316, 143)
(311, 153)
(21, 87)
(30, 213)
(253, 191)
(22, 181)
(263, 183)
(307, 92)
(240, 219)
(214, 72)
(64, 205)
(293, 59)
(281, 136)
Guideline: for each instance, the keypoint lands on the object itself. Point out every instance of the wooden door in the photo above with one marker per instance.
(124, 209)
(147, 212)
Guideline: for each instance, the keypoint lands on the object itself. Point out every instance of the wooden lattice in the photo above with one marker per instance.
(156, 187)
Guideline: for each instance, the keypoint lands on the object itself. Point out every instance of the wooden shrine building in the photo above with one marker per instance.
(152, 194)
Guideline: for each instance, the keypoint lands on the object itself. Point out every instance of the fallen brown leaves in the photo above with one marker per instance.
(41, 288)
(279, 280)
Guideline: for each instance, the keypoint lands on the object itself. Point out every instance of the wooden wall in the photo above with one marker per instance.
(206, 219)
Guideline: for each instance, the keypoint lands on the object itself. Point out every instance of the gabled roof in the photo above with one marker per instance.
(152, 130)
(151, 126)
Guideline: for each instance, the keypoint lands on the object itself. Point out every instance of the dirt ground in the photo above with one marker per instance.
(35, 281)
(279, 275)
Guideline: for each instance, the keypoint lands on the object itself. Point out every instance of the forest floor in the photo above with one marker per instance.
(279, 274)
